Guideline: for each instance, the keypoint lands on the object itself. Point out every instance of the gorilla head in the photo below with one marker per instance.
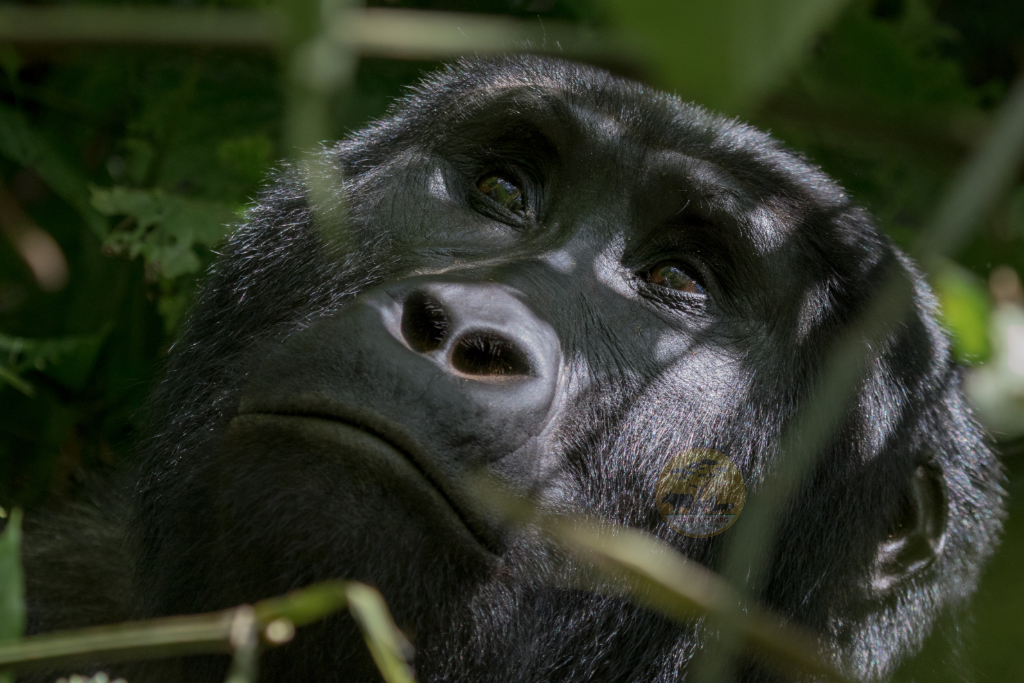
(537, 271)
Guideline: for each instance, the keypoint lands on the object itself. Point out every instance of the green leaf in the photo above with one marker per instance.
(12, 585)
(387, 644)
(133, 163)
(894, 68)
(22, 144)
(247, 157)
(729, 53)
(1016, 217)
(164, 227)
(9, 376)
(68, 360)
(10, 62)
(965, 310)
(172, 304)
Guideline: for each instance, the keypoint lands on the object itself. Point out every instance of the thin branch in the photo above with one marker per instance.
(395, 33)
(237, 631)
(979, 183)
(245, 642)
(944, 139)
(121, 25)
(204, 633)
(653, 574)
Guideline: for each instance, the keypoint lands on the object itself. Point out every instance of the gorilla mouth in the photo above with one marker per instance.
(355, 433)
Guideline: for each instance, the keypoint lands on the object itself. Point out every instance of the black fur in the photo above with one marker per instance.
(231, 505)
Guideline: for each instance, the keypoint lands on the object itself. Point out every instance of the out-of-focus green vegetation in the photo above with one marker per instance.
(239, 631)
(122, 169)
(12, 585)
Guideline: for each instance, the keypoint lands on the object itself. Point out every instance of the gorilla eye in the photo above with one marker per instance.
(672, 276)
(504, 191)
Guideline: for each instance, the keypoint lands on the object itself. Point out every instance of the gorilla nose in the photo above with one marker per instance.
(458, 379)
(461, 375)
(480, 333)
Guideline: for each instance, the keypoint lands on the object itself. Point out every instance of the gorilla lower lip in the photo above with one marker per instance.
(383, 458)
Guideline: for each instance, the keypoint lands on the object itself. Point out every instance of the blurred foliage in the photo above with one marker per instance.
(167, 231)
(238, 630)
(963, 299)
(66, 360)
(12, 585)
(740, 48)
(138, 160)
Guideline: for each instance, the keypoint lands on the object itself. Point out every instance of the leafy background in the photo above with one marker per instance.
(126, 167)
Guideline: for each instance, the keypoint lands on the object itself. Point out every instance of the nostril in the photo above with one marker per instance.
(424, 322)
(487, 354)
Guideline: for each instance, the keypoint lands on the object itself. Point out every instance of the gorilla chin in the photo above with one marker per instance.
(535, 271)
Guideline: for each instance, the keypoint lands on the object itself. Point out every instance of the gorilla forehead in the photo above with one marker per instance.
(624, 158)
(571, 101)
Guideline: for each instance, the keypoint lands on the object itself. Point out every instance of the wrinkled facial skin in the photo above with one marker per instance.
(561, 280)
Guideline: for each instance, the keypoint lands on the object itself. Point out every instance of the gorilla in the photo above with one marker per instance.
(536, 271)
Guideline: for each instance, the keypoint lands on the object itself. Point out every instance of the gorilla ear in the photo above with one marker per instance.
(917, 533)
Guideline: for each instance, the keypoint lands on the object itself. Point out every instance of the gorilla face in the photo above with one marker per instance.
(539, 272)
